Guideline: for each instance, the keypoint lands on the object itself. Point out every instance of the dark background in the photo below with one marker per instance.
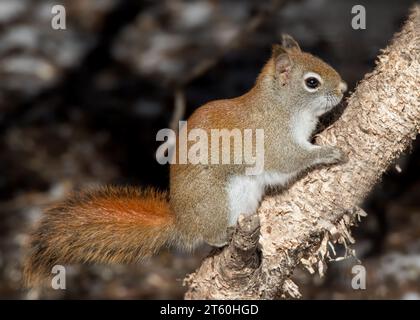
(82, 106)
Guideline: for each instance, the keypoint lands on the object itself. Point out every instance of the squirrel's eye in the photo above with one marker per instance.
(312, 83)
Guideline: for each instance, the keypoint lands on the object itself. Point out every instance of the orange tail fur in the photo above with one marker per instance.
(109, 225)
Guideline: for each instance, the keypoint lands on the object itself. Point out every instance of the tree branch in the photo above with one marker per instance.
(298, 225)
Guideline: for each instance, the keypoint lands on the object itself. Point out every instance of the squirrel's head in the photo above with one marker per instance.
(305, 80)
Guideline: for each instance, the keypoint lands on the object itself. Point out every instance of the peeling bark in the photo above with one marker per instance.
(298, 225)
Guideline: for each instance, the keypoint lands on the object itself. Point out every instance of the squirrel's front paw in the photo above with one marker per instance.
(332, 155)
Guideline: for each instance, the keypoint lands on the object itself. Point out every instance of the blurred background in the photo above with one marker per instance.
(82, 106)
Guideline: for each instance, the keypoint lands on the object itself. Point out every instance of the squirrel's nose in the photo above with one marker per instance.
(342, 86)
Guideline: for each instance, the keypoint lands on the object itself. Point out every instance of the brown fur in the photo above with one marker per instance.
(109, 225)
(198, 193)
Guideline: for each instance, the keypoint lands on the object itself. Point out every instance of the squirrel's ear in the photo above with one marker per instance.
(277, 50)
(281, 59)
(289, 43)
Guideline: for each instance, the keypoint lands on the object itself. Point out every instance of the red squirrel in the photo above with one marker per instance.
(125, 225)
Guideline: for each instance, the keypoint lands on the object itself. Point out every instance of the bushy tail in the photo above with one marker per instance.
(110, 225)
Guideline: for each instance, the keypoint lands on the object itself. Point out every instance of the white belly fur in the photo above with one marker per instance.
(246, 192)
